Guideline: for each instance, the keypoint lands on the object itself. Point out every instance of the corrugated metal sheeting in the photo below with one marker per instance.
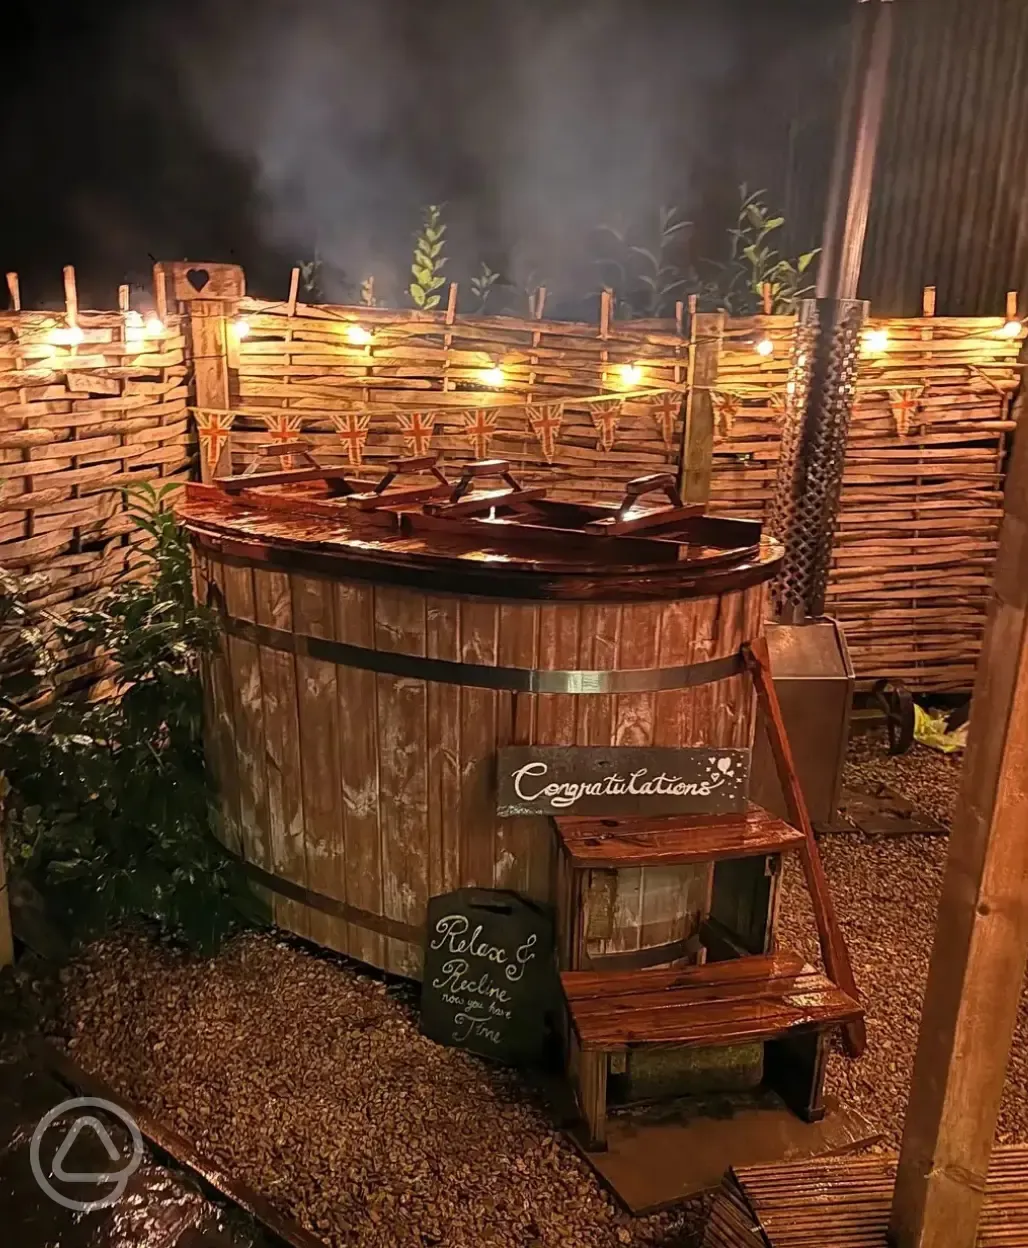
(950, 204)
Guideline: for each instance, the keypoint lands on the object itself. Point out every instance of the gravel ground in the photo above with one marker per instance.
(924, 777)
(886, 891)
(312, 1083)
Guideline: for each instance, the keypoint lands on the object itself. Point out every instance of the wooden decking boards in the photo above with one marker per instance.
(844, 1203)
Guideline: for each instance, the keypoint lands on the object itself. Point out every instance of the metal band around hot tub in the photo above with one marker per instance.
(482, 675)
(395, 929)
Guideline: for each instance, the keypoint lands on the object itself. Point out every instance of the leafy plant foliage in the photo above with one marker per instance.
(647, 280)
(753, 262)
(109, 808)
(429, 260)
(482, 285)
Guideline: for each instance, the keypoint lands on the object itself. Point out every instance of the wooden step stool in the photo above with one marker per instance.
(776, 999)
(587, 846)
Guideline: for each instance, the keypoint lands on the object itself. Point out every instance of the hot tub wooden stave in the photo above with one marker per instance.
(378, 791)
(358, 700)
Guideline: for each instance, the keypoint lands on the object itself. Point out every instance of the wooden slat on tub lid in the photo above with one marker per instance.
(674, 839)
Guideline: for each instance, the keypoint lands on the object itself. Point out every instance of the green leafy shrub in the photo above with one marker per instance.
(482, 285)
(738, 285)
(647, 280)
(109, 810)
(429, 260)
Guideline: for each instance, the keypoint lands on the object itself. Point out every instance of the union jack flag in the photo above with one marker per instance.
(352, 428)
(546, 419)
(480, 428)
(905, 404)
(665, 411)
(214, 429)
(417, 428)
(282, 426)
(726, 408)
(605, 414)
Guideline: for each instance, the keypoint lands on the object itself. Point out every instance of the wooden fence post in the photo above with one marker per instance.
(707, 333)
(981, 937)
(208, 295)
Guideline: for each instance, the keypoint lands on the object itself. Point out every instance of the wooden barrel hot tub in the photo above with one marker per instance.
(374, 662)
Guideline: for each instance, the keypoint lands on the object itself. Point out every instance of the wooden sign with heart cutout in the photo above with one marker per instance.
(187, 282)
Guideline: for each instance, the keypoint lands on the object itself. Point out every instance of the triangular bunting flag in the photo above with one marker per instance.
(905, 404)
(546, 419)
(283, 426)
(665, 410)
(352, 428)
(726, 408)
(480, 428)
(606, 413)
(417, 428)
(214, 429)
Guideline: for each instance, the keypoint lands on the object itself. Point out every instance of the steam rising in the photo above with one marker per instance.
(533, 121)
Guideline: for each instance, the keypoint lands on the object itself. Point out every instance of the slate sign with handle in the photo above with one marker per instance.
(490, 976)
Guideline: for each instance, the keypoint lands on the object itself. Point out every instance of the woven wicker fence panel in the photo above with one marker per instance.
(82, 414)
(922, 495)
(310, 365)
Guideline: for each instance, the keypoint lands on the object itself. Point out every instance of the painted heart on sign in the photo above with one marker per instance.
(197, 278)
(724, 765)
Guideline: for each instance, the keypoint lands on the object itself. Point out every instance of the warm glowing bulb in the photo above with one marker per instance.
(358, 335)
(135, 330)
(492, 376)
(154, 327)
(876, 340)
(765, 347)
(70, 337)
(1012, 329)
(631, 374)
(241, 328)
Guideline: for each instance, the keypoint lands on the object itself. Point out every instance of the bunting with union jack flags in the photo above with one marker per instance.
(545, 420)
(480, 429)
(352, 428)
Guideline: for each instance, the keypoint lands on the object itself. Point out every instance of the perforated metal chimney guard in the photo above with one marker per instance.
(819, 403)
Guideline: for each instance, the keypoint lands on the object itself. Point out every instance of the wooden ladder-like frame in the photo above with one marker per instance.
(833, 945)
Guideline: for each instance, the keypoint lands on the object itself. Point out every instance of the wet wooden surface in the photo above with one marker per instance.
(300, 535)
(674, 840)
(845, 1202)
(720, 1003)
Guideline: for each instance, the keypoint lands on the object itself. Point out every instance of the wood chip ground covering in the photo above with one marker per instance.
(312, 1083)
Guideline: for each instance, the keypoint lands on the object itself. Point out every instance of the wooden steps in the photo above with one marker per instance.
(674, 840)
(844, 1203)
(775, 998)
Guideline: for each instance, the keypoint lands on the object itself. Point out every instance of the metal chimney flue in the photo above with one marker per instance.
(822, 385)
(809, 659)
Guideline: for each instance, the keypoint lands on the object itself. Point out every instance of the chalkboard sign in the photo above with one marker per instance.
(490, 976)
(620, 780)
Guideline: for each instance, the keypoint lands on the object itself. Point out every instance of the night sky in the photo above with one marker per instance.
(261, 130)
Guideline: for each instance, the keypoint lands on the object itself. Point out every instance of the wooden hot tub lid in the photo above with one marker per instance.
(430, 538)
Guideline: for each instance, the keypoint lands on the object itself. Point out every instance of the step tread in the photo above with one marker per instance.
(743, 999)
(673, 840)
